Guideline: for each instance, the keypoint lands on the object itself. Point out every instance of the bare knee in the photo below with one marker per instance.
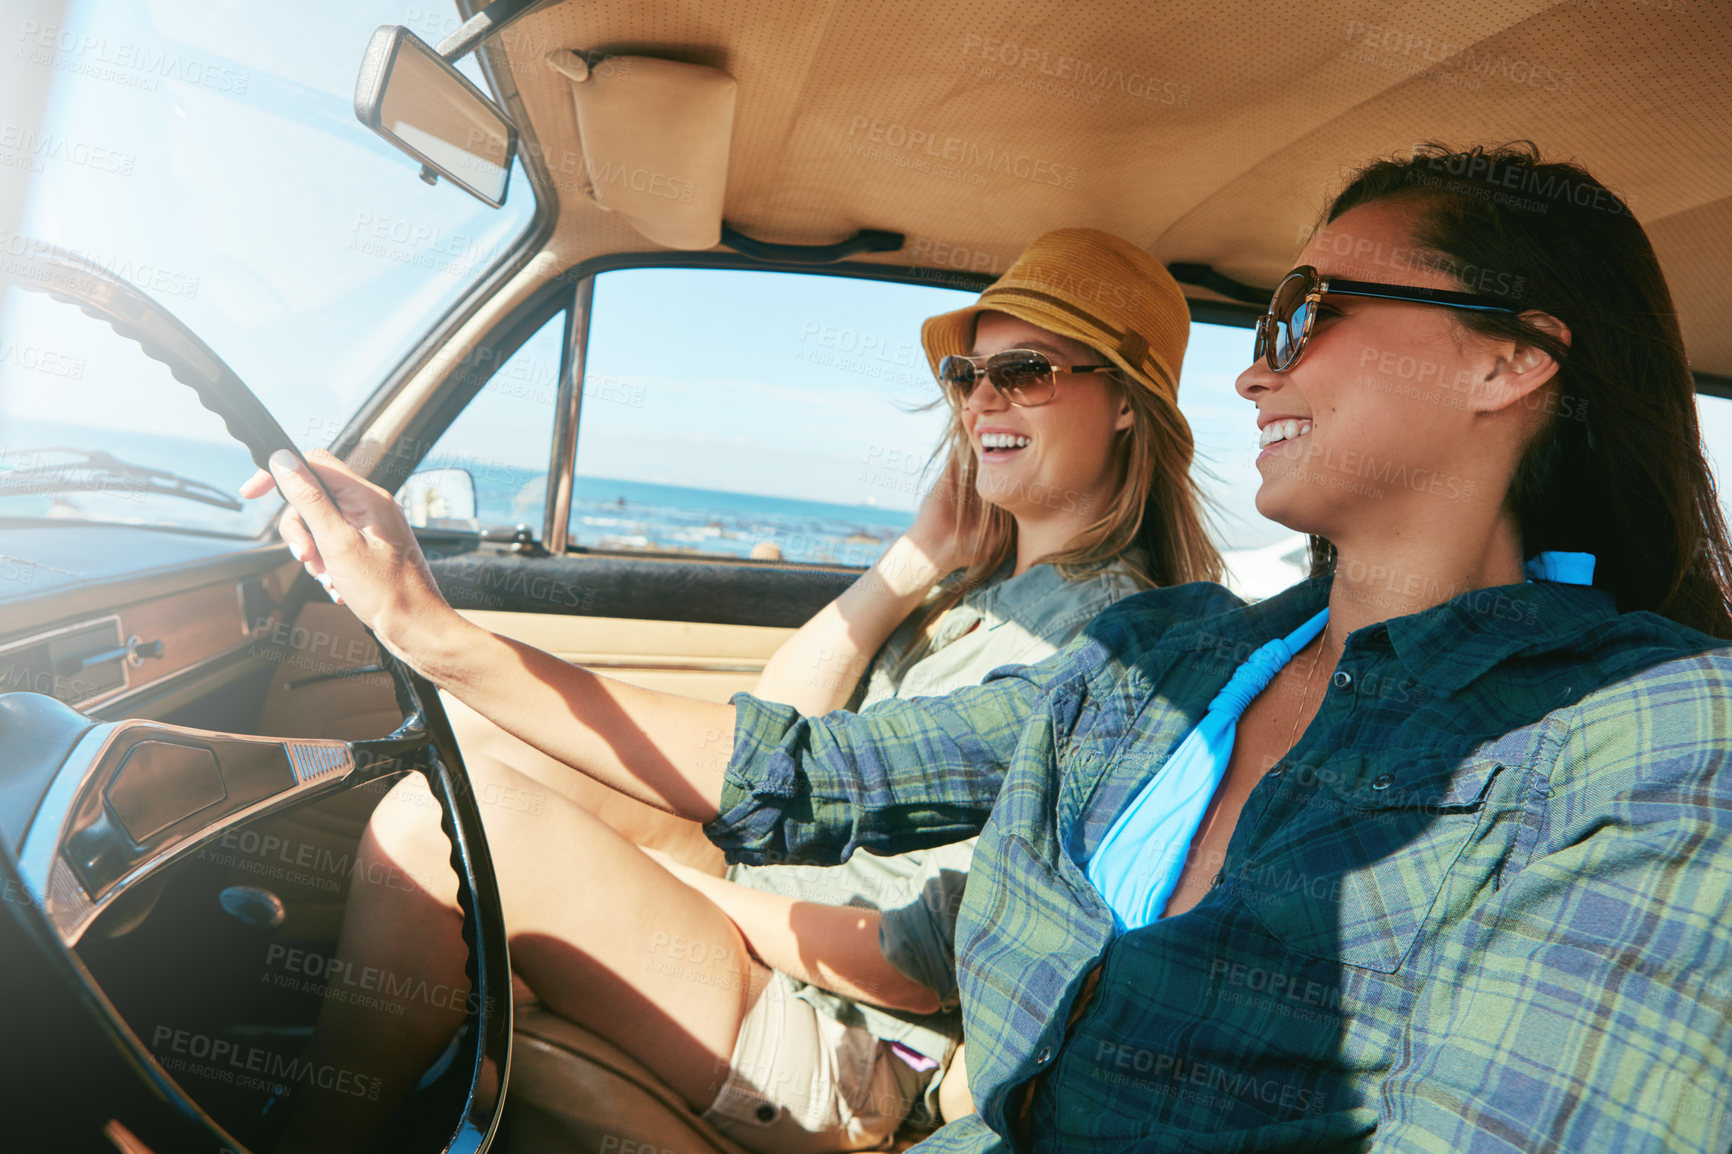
(405, 839)
(509, 770)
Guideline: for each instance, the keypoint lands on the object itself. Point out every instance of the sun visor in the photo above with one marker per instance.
(655, 138)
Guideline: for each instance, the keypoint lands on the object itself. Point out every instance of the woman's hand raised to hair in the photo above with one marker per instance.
(937, 530)
(816, 669)
(361, 549)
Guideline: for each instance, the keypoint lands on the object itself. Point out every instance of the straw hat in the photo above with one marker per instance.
(1095, 288)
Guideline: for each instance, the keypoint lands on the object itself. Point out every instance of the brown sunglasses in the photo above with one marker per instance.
(1024, 377)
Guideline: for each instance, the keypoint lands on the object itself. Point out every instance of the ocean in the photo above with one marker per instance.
(611, 514)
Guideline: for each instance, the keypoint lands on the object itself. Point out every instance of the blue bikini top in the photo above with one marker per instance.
(1138, 863)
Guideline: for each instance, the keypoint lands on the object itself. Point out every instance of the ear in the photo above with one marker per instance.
(1517, 371)
(1126, 418)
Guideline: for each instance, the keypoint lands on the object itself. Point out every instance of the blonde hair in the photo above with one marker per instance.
(1154, 522)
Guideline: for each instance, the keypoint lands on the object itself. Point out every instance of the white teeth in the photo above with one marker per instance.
(1277, 431)
(1002, 441)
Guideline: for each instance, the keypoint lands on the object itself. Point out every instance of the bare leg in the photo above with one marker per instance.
(399, 928)
(602, 934)
(954, 1100)
(484, 743)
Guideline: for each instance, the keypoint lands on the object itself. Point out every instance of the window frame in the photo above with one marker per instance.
(568, 406)
(573, 289)
(471, 375)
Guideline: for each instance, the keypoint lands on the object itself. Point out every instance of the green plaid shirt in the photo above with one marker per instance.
(1482, 905)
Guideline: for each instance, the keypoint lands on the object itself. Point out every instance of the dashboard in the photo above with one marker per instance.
(147, 649)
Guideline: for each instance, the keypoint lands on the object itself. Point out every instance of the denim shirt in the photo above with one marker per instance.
(1479, 905)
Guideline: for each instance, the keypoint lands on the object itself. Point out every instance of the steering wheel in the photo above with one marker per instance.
(89, 812)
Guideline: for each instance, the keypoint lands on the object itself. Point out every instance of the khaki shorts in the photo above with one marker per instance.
(802, 1082)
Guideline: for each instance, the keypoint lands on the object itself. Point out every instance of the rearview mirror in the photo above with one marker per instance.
(416, 99)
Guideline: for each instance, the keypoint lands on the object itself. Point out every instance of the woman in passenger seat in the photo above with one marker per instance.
(1062, 492)
(1065, 487)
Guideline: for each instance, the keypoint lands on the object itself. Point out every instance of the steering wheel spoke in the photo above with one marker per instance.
(132, 797)
(409, 746)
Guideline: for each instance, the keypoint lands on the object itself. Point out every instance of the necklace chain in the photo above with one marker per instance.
(1305, 693)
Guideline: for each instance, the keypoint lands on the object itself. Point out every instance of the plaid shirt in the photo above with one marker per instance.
(1480, 906)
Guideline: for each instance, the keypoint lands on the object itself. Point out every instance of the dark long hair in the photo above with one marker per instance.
(1618, 468)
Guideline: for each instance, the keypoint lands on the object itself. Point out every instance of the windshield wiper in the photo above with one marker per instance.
(98, 472)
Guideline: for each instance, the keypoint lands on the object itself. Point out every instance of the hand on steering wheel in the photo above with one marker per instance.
(353, 539)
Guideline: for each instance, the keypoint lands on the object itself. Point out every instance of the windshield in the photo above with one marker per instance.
(212, 158)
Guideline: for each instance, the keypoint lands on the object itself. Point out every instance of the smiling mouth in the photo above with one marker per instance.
(999, 446)
(1280, 432)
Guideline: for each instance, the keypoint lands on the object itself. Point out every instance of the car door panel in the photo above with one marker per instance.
(696, 659)
(698, 627)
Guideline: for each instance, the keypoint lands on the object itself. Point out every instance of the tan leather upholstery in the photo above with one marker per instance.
(573, 1093)
(695, 659)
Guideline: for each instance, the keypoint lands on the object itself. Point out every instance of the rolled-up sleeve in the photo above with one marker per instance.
(905, 774)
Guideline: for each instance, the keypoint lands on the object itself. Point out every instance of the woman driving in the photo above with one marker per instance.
(1455, 809)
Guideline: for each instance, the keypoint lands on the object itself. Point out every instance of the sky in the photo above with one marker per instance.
(214, 158)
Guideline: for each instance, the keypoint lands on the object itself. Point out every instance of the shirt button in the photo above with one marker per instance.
(1384, 781)
(1342, 679)
(766, 1113)
(1041, 1058)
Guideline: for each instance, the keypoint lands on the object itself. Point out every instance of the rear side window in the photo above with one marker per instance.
(741, 414)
